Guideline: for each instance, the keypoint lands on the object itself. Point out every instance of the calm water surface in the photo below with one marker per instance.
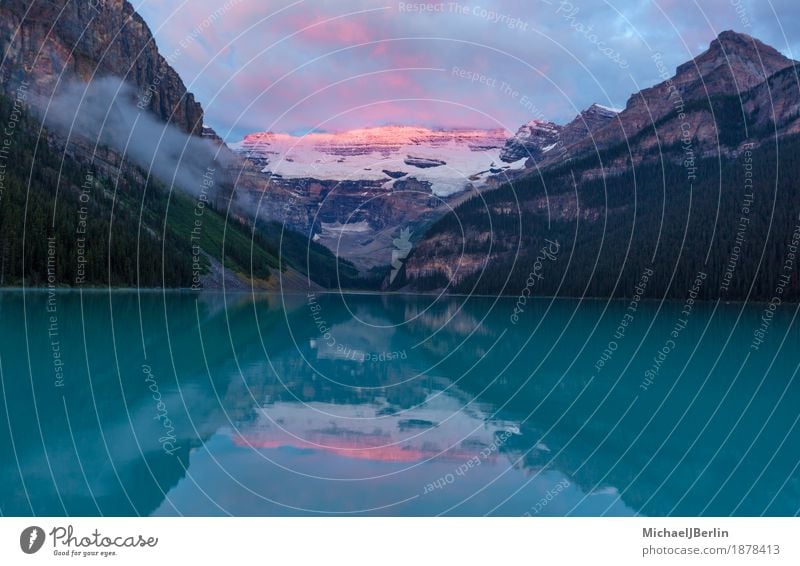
(179, 404)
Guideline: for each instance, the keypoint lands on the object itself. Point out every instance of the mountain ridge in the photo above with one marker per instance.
(622, 196)
(681, 106)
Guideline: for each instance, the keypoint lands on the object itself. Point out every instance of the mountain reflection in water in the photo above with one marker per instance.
(396, 405)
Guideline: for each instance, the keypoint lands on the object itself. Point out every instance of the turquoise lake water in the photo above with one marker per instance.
(184, 404)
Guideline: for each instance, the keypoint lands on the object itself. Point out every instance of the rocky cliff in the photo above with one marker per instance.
(47, 42)
(531, 141)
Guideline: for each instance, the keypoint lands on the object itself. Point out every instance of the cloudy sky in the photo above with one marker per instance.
(299, 65)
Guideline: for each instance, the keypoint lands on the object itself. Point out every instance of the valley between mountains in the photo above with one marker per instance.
(695, 175)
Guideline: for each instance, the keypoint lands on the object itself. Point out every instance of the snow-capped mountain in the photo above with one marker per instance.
(539, 140)
(448, 161)
(531, 141)
(355, 191)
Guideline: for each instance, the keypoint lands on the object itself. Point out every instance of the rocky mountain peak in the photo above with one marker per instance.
(731, 43)
(733, 62)
(532, 140)
(600, 110)
(589, 121)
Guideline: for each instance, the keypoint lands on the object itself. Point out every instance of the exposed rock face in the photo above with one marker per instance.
(444, 254)
(733, 64)
(586, 124)
(546, 142)
(531, 141)
(738, 94)
(423, 162)
(774, 105)
(355, 191)
(358, 220)
(53, 45)
(209, 134)
(41, 39)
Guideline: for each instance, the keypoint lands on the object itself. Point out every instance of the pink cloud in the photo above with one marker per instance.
(549, 44)
(336, 32)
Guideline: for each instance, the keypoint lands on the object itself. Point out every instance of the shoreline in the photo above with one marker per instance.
(289, 292)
